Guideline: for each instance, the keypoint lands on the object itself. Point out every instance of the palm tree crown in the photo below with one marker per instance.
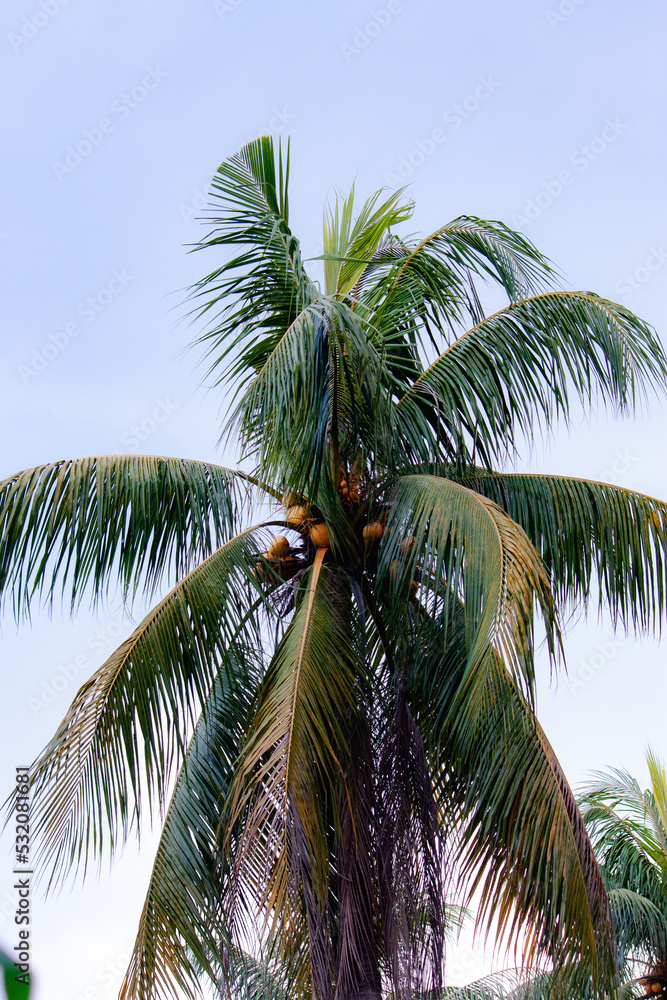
(346, 686)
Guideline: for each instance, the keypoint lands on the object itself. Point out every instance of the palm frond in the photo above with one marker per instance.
(133, 715)
(281, 795)
(590, 535)
(181, 933)
(350, 243)
(324, 370)
(517, 369)
(256, 295)
(428, 287)
(90, 521)
(523, 845)
(465, 547)
(641, 925)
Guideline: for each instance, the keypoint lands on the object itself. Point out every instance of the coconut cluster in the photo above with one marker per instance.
(300, 516)
(654, 986)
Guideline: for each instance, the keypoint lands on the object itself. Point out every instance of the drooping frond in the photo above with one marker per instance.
(518, 369)
(256, 295)
(411, 857)
(289, 765)
(127, 518)
(590, 536)
(513, 984)
(465, 547)
(522, 842)
(180, 931)
(133, 715)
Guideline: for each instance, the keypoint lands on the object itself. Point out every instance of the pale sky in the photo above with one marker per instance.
(547, 114)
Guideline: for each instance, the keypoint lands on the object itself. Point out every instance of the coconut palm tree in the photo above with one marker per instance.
(628, 829)
(338, 692)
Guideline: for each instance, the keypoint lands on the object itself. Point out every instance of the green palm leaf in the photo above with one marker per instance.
(518, 368)
(522, 842)
(628, 831)
(428, 286)
(350, 243)
(180, 931)
(469, 549)
(318, 393)
(293, 758)
(133, 714)
(265, 280)
(130, 517)
(591, 536)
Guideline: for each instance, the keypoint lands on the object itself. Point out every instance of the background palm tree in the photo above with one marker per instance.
(628, 828)
(346, 710)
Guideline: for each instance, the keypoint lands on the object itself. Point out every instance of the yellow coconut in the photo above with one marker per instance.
(319, 535)
(279, 547)
(656, 987)
(372, 533)
(296, 516)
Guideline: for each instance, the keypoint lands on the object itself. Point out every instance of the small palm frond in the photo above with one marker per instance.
(281, 795)
(180, 932)
(89, 521)
(513, 984)
(265, 978)
(133, 715)
(641, 926)
(518, 368)
(257, 294)
(590, 535)
(350, 243)
(465, 547)
(627, 830)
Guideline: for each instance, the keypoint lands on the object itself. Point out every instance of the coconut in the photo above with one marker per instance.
(279, 547)
(372, 533)
(296, 516)
(319, 535)
(656, 987)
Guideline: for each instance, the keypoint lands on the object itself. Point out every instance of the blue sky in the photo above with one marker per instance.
(548, 115)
